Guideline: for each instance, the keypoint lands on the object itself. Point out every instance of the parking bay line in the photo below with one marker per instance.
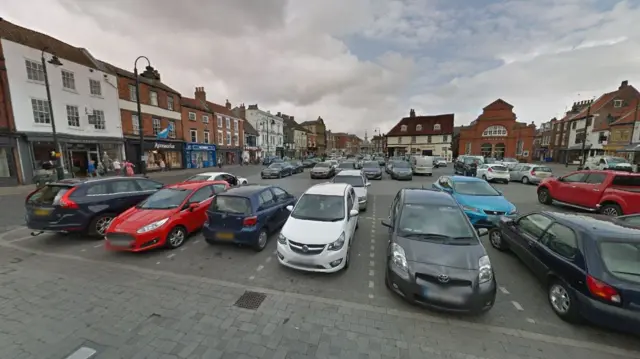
(517, 305)
(504, 290)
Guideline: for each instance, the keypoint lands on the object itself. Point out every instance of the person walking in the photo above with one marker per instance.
(128, 166)
(163, 166)
(116, 166)
(91, 169)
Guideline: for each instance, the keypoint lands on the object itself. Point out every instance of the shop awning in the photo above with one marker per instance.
(634, 147)
(579, 147)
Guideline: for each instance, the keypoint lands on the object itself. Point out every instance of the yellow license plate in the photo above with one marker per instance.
(225, 236)
(41, 212)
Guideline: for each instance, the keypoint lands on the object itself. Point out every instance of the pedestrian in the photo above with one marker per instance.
(128, 166)
(91, 168)
(116, 166)
(163, 166)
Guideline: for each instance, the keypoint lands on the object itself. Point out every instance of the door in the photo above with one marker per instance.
(283, 199)
(589, 192)
(513, 174)
(268, 210)
(196, 218)
(526, 233)
(567, 187)
(557, 252)
(126, 194)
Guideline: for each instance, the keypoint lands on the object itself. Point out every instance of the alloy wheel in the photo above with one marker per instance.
(262, 239)
(559, 298)
(610, 211)
(176, 238)
(496, 239)
(103, 224)
(542, 196)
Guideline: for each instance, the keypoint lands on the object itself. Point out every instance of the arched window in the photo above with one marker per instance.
(495, 131)
(499, 150)
(486, 149)
(418, 127)
(436, 127)
(403, 128)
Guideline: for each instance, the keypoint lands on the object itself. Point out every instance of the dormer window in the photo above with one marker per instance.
(436, 127)
(617, 103)
(403, 128)
(418, 127)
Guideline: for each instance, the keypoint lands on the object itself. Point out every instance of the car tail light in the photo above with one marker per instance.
(250, 221)
(65, 202)
(602, 290)
(533, 173)
(490, 169)
(30, 194)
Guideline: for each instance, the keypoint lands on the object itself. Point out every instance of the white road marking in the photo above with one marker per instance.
(182, 249)
(196, 241)
(371, 263)
(83, 353)
(517, 305)
(370, 296)
(83, 250)
(98, 245)
(260, 267)
(504, 290)
(171, 255)
(157, 263)
(371, 255)
(268, 259)
(371, 273)
(373, 248)
(370, 284)
(252, 278)
(531, 321)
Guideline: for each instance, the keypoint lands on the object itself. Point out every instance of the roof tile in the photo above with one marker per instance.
(427, 122)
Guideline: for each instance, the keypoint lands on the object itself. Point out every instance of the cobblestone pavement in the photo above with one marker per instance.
(144, 282)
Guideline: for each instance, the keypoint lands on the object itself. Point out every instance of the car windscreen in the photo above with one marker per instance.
(276, 166)
(355, 181)
(322, 164)
(49, 194)
(165, 198)
(401, 164)
(317, 207)
(374, 165)
(622, 259)
(198, 178)
(435, 223)
(349, 165)
(499, 168)
(231, 204)
(475, 188)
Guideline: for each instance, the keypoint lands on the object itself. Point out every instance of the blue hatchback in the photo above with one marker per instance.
(247, 215)
(482, 203)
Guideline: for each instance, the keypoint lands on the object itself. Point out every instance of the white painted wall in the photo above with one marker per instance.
(636, 133)
(23, 90)
(257, 118)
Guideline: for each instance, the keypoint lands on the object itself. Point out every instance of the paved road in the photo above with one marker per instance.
(521, 322)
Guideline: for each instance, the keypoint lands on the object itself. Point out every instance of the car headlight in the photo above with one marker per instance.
(398, 258)
(152, 226)
(485, 273)
(362, 199)
(471, 209)
(513, 211)
(282, 239)
(338, 244)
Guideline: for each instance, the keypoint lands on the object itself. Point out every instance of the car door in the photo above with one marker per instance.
(393, 211)
(268, 209)
(195, 218)
(558, 252)
(589, 192)
(126, 194)
(282, 199)
(482, 170)
(567, 187)
(513, 173)
(524, 235)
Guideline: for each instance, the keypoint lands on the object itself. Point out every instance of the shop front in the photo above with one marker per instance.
(229, 155)
(155, 151)
(8, 168)
(199, 155)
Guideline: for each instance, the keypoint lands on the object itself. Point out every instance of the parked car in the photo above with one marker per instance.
(493, 172)
(528, 173)
(467, 165)
(319, 232)
(389, 165)
(266, 161)
(309, 163)
(276, 170)
(360, 184)
(85, 205)
(219, 176)
(589, 264)
(164, 219)
(608, 192)
(439, 162)
(434, 256)
(292, 168)
(509, 162)
(347, 165)
(322, 170)
(247, 215)
(608, 163)
(483, 204)
(372, 170)
(381, 160)
(401, 170)
(423, 165)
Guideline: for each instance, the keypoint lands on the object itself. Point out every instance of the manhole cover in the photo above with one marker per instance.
(250, 300)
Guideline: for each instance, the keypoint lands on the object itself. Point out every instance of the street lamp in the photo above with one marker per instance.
(150, 73)
(55, 62)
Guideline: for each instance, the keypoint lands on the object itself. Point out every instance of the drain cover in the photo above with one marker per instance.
(250, 300)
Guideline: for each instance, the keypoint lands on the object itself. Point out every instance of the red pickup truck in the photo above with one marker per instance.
(607, 192)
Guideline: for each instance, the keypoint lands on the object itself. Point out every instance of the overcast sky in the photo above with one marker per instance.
(362, 64)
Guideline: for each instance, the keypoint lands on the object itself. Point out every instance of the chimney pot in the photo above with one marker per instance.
(200, 94)
(624, 84)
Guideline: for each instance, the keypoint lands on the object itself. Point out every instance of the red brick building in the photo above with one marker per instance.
(198, 131)
(229, 132)
(496, 133)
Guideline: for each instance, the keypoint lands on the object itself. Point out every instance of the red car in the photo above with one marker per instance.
(164, 219)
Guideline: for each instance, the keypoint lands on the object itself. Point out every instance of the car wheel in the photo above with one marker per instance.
(100, 224)
(562, 301)
(176, 237)
(261, 244)
(495, 238)
(544, 196)
(505, 181)
(280, 175)
(525, 180)
(484, 177)
(612, 210)
(347, 258)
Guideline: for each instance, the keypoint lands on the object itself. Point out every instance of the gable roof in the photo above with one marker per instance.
(222, 110)
(249, 129)
(498, 104)
(150, 82)
(629, 116)
(195, 104)
(427, 122)
(36, 40)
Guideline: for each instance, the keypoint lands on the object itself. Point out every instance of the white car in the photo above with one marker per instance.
(219, 176)
(359, 182)
(334, 163)
(493, 172)
(317, 236)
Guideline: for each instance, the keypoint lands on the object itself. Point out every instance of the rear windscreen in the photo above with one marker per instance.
(622, 259)
(231, 204)
(49, 194)
(542, 169)
(499, 168)
(626, 181)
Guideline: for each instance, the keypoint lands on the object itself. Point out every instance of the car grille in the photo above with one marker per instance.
(494, 213)
(452, 281)
(306, 249)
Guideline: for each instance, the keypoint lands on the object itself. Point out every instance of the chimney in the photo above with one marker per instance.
(200, 94)
(624, 84)
(291, 118)
(279, 114)
(228, 105)
(412, 113)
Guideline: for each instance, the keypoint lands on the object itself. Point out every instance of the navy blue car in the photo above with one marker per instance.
(247, 215)
(85, 205)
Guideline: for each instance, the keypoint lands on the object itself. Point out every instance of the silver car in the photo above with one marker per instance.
(529, 173)
(508, 162)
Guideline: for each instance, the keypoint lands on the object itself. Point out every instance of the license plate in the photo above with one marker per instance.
(224, 236)
(41, 212)
(542, 175)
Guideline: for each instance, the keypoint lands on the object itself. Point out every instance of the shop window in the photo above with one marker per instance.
(35, 71)
(5, 170)
(156, 126)
(73, 117)
(41, 112)
(194, 135)
(173, 159)
(135, 125)
(486, 149)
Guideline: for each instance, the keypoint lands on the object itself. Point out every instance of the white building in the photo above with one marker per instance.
(84, 100)
(270, 130)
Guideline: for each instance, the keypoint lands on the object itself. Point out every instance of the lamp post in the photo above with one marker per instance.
(55, 62)
(148, 72)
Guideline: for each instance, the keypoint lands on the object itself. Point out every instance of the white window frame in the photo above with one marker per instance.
(35, 71)
(617, 103)
(192, 116)
(205, 118)
(169, 102)
(403, 128)
(235, 125)
(228, 120)
(220, 138)
(436, 127)
(172, 131)
(219, 118)
(73, 116)
(95, 87)
(418, 127)
(41, 111)
(153, 98)
(228, 139)
(68, 80)
(133, 95)
(158, 128)
(135, 124)
(100, 122)
(495, 131)
(207, 137)
(193, 135)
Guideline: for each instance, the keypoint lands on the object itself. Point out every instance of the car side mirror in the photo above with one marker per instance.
(353, 213)
(386, 223)
(290, 208)
(447, 189)
(483, 232)
(368, 184)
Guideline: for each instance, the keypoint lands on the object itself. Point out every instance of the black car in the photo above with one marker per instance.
(381, 161)
(277, 170)
(85, 205)
(346, 165)
(435, 257)
(372, 170)
(589, 264)
(467, 165)
(308, 163)
(297, 166)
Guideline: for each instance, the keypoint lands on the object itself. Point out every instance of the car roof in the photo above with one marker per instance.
(617, 173)
(194, 184)
(211, 174)
(350, 173)
(428, 196)
(91, 180)
(466, 179)
(246, 190)
(328, 189)
(598, 226)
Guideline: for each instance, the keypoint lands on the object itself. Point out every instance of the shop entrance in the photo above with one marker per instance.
(78, 157)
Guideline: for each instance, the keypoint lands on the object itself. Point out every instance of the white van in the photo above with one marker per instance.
(423, 165)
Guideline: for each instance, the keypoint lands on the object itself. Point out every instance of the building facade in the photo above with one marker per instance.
(251, 150)
(496, 133)
(270, 128)
(421, 135)
(542, 143)
(319, 133)
(229, 132)
(198, 131)
(84, 106)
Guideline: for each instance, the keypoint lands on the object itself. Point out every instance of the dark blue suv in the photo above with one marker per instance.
(247, 215)
(85, 205)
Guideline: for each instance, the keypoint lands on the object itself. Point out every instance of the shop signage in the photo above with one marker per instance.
(196, 147)
(164, 146)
